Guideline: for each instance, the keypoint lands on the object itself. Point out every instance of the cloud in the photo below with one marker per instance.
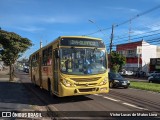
(30, 29)
(154, 27)
(60, 19)
(135, 32)
(124, 9)
(19, 20)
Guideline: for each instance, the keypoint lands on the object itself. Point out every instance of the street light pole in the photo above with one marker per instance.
(41, 44)
(99, 28)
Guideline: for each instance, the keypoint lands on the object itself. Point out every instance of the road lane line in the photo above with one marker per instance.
(131, 105)
(98, 95)
(107, 97)
(124, 103)
(111, 99)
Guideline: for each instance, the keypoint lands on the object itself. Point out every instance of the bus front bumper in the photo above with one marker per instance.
(71, 91)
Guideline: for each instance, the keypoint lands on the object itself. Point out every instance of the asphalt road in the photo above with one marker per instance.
(117, 100)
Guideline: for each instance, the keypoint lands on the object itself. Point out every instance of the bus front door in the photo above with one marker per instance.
(55, 73)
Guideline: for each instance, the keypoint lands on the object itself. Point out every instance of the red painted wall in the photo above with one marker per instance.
(128, 46)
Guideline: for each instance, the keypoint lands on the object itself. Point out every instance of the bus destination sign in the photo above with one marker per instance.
(81, 42)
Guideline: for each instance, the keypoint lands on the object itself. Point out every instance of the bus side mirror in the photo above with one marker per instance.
(56, 53)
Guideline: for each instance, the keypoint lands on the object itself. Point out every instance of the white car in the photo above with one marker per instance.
(125, 72)
(1, 67)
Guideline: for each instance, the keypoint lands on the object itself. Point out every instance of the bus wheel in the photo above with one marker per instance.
(49, 87)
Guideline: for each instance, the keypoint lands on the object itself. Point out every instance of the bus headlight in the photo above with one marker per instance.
(104, 81)
(66, 83)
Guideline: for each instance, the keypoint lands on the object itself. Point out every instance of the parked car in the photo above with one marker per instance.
(140, 74)
(116, 80)
(155, 79)
(126, 72)
(151, 73)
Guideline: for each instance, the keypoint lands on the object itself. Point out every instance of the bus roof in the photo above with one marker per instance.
(60, 37)
(94, 38)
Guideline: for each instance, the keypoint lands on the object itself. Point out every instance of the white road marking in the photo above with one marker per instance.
(97, 95)
(111, 99)
(124, 103)
(131, 105)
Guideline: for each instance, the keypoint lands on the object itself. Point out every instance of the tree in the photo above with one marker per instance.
(12, 46)
(117, 61)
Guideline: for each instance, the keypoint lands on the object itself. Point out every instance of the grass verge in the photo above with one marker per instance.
(155, 87)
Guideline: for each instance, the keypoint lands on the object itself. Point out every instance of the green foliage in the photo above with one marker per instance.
(12, 46)
(117, 61)
(115, 68)
(146, 86)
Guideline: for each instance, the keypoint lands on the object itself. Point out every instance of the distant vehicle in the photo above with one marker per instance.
(140, 74)
(151, 73)
(155, 79)
(125, 72)
(116, 80)
(1, 67)
(26, 69)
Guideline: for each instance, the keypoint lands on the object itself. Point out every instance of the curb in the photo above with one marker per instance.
(7, 80)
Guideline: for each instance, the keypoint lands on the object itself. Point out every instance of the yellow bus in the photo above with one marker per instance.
(71, 65)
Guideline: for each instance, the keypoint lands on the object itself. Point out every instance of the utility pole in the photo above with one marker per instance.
(129, 36)
(111, 46)
(111, 39)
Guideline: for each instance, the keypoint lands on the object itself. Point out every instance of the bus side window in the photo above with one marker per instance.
(49, 60)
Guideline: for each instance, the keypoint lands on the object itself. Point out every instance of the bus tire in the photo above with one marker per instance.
(49, 87)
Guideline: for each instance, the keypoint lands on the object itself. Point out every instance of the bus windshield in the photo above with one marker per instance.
(80, 61)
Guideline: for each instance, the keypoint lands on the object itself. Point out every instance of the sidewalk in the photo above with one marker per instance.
(136, 79)
(4, 76)
(13, 95)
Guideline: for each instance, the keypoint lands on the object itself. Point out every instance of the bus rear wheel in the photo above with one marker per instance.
(50, 87)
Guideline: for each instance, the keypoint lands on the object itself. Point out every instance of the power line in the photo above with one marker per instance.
(141, 37)
(155, 40)
(138, 34)
(127, 21)
(153, 25)
(138, 15)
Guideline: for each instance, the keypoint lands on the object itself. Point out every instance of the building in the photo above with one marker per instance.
(138, 54)
(155, 64)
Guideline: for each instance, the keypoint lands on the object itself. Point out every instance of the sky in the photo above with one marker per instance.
(46, 20)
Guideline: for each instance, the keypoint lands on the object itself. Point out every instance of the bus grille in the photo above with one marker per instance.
(87, 90)
(85, 79)
(86, 85)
